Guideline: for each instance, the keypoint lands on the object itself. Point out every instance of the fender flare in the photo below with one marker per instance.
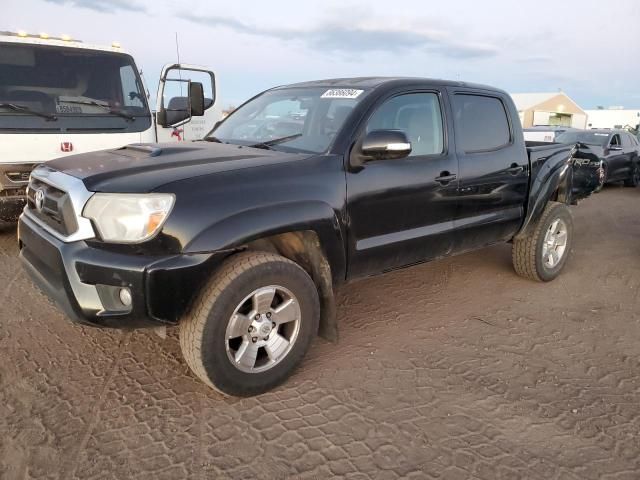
(243, 227)
(550, 180)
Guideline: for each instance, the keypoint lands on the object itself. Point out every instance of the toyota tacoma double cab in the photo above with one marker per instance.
(241, 239)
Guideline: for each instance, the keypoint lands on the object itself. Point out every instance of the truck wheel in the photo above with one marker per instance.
(251, 325)
(542, 253)
(603, 172)
(634, 177)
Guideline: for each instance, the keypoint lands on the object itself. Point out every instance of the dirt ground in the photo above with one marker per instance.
(457, 369)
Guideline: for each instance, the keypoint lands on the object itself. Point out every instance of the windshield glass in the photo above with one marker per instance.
(589, 138)
(69, 82)
(291, 119)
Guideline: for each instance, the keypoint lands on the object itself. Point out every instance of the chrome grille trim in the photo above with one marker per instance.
(79, 196)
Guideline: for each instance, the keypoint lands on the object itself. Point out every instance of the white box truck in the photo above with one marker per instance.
(60, 96)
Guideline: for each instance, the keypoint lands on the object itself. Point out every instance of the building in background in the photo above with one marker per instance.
(613, 117)
(554, 108)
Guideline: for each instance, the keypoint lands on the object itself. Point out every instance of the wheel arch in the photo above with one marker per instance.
(307, 233)
(553, 183)
(305, 248)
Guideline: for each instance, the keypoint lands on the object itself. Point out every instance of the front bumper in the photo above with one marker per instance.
(84, 281)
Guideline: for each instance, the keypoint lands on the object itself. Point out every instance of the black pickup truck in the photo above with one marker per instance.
(241, 238)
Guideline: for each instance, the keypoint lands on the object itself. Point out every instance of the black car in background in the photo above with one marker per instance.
(618, 150)
(545, 133)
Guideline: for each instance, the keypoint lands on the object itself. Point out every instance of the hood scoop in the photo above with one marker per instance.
(146, 150)
(134, 150)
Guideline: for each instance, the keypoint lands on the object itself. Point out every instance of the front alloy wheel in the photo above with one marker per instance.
(263, 329)
(252, 323)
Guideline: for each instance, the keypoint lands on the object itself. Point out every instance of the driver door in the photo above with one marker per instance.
(401, 211)
(173, 98)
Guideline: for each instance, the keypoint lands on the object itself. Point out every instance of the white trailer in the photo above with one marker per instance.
(613, 118)
(60, 96)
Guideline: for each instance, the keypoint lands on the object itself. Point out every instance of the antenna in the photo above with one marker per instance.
(178, 57)
(177, 48)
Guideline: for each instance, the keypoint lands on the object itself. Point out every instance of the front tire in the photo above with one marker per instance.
(541, 254)
(251, 325)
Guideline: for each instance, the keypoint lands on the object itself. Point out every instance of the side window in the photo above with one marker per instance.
(130, 91)
(626, 140)
(481, 122)
(418, 115)
(615, 140)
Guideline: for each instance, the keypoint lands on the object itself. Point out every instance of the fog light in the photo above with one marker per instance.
(125, 297)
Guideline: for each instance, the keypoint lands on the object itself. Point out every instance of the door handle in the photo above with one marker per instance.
(445, 178)
(515, 169)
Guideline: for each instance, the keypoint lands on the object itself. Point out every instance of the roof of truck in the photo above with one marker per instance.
(373, 82)
(22, 38)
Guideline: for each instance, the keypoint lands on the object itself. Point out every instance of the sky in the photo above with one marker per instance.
(589, 49)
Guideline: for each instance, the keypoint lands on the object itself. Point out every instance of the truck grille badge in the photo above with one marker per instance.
(39, 200)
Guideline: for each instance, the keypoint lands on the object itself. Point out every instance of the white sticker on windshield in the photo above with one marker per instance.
(342, 93)
(602, 134)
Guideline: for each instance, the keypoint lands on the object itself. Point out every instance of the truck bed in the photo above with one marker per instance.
(586, 176)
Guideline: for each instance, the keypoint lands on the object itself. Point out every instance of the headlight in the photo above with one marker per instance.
(128, 218)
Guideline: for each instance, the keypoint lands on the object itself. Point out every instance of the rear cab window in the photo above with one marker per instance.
(482, 123)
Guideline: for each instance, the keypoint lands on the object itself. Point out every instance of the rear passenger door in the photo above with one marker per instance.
(493, 168)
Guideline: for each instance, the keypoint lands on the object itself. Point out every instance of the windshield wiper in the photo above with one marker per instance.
(267, 145)
(111, 110)
(24, 109)
(212, 139)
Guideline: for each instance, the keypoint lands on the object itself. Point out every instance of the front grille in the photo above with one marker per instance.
(56, 209)
(18, 176)
(13, 192)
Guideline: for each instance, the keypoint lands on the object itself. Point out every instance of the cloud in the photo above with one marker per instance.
(352, 38)
(535, 59)
(103, 6)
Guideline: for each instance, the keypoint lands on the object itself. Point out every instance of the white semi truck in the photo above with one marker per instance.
(60, 96)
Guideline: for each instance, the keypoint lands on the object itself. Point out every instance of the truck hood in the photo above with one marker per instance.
(143, 168)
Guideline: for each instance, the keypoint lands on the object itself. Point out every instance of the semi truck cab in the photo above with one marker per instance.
(60, 97)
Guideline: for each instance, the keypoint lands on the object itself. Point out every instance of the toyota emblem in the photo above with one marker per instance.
(39, 199)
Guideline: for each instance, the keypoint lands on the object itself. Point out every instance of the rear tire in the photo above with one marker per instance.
(251, 325)
(541, 254)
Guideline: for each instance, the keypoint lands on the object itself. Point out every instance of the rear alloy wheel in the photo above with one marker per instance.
(252, 324)
(634, 176)
(541, 254)
(603, 177)
(555, 243)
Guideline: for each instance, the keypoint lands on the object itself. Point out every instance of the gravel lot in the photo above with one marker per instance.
(457, 369)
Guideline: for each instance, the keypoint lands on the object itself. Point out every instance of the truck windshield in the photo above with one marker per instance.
(294, 119)
(588, 138)
(69, 82)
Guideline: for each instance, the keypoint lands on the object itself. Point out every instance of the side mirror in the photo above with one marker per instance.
(177, 105)
(196, 99)
(615, 147)
(385, 145)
